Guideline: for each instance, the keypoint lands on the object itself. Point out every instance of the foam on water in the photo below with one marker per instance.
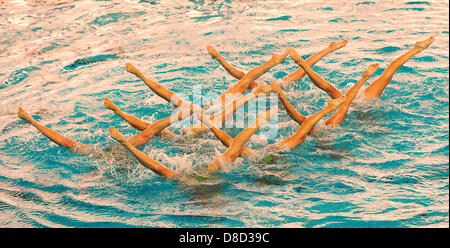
(385, 166)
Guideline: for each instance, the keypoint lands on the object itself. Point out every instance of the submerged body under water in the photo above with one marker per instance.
(387, 165)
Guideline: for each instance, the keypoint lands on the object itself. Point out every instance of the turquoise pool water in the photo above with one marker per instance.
(386, 166)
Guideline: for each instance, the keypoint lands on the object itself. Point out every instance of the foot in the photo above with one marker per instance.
(335, 45)
(130, 68)
(110, 105)
(335, 103)
(371, 70)
(214, 54)
(24, 115)
(296, 57)
(115, 134)
(425, 43)
(278, 58)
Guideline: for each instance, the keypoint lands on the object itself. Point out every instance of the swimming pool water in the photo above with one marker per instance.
(386, 166)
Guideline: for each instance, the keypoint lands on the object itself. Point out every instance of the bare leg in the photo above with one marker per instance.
(145, 136)
(148, 133)
(229, 68)
(230, 108)
(377, 87)
(316, 78)
(168, 95)
(133, 121)
(233, 71)
(300, 135)
(233, 151)
(177, 101)
(300, 73)
(157, 127)
(145, 160)
(244, 82)
(239, 87)
(53, 135)
(238, 103)
(339, 116)
(224, 138)
(297, 75)
(292, 112)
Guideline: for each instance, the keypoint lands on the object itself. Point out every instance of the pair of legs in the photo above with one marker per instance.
(377, 87)
(374, 90)
(229, 156)
(133, 121)
(246, 79)
(241, 86)
(307, 125)
(173, 98)
(77, 147)
(339, 116)
(178, 102)
(236, 146)
(263, 89)
(227, 111)
(297, 75)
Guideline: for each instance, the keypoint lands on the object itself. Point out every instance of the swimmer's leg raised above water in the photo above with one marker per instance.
(145, 160)
(133, 121)
(224, 138)
(168, 95)
(221, 135)
(302, 132)
(55, 136)
(229, 68)
(297, 75)
(339, 116)
(177, 101)
(221, 117)
(300, 73)
(292, 112)
(229, 109)
(262, 89)
(316, 78)
(234, 150)
(158, 126)
(377, 87)
(244, 82)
